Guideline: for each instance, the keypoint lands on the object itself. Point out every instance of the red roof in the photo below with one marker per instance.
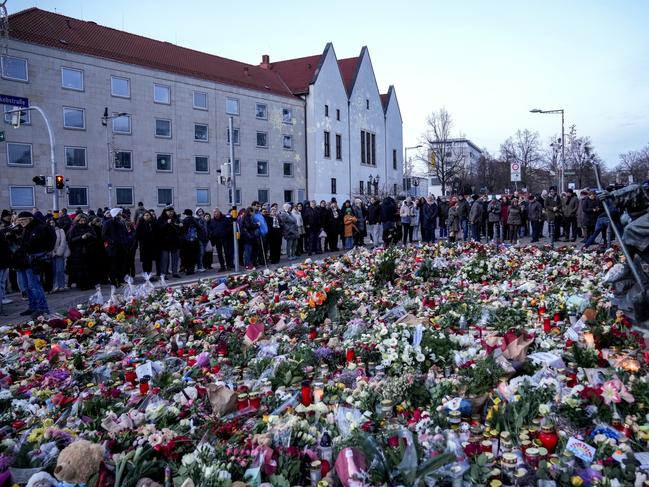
(61, 32)
(385, 99)
(348, 71)
(298, 73)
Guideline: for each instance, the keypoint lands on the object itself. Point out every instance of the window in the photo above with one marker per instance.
(327, 144)
(368, 148)
(361, 187)
(235, 138)
(262, 139)
(75, 157)
(201, 164)
(338, 114)
(124, 196)
(232, 106)
(77, 196)
(122, 125)
(288, 196)
(339, 147)
(21, 196)
(287, 170)
(163, 128)
(120, 87)
(14, 68)
(287, 115)
(262, 195)
(287, 142)
(237, 167)
(26, 115)
(261, 111)
(301, 195)
(202, 196)
(161, 94)
(200, 132)
(200, 100)
(394, 189)
(367, 103)
(163, 162)
(74, 118)
(123, 159)
(394, 158)
(72, 79)
(326, 110)
(165, 196)
(19, 154)
(333, 185)
(238, 202)
(262, 168)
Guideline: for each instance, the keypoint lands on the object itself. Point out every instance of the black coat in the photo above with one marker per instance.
(311, 218)
(219, 228)
(169, 233)
(429, 215)
(334, 224)
(146, 234)
(85, 265)
(115, 234)
(388, 210)
(374, 213)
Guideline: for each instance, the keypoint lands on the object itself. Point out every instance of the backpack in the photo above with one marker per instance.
(192, 234)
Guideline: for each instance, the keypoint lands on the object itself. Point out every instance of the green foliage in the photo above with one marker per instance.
(386, 267)
(441, 345)
(288, 374)
(426, 270)
(584, 357)
(478, 473)
(482, 377)
(506, 318)
(512, 416)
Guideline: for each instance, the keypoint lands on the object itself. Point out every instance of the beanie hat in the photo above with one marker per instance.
(25, 214)
(115, 211)
(5, 213)
(188, 212)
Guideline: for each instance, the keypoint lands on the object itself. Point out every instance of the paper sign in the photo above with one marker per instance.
(643, 458)
(548, 358)
(146, 369)
(580, 449)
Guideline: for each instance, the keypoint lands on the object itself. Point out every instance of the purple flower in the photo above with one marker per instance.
(323, 353)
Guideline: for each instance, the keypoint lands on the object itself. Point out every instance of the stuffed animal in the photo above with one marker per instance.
(78, 461)
(41, 479)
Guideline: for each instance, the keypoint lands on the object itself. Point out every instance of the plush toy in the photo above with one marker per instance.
(41, 479)
(78, 461)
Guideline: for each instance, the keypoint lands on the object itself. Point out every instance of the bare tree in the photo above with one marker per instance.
(445, 160)
(525, 149)
(580, 157)
(635, 164)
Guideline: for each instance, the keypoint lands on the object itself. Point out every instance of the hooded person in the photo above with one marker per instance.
(116, 239)
(191, 234)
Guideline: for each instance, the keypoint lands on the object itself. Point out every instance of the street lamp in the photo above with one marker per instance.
(563, 142)
(405, 157)
(415, 183)
(373, 181)
(104, 122)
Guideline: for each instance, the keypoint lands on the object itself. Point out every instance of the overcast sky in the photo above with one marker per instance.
(487, 62)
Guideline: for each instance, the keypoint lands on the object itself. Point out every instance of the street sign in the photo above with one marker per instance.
(572, 186)
(515, 172)
(17, 101)
(569, 173)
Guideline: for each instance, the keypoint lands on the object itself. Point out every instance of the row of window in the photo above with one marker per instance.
(19, 154)
(327, 145)
(23, 196)
(16, 69)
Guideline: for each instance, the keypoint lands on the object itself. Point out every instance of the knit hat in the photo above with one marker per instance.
(5, 213)
(188, 212)
(114, 212)
(25, 214)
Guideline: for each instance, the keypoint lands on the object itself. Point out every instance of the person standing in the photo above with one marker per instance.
(350, 228)
(463, 208)
(334, 224)
(453, 221)
(475, 217)
(405, 215)
(504, 214)
(36, 243)
(442, 206)
(250, 235)
(147, 239)
(552, 205)
(514, 221)
(429, 219)
(359, 213)
(208, 254)
(290, 230)
(493, 219)
(569, 209)
(274, 235)
(116, 239)
(388, 211)
(190, 242)
(535, 217)
(592, 208)
(415, 220)
(139, 213)
(169, 231)
(297, 212)
(203, 238)
(374, 221)
(323, 212)
(60, 252)
(312, 225)
(220, 231)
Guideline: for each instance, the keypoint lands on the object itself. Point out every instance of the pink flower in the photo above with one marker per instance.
(610, 392)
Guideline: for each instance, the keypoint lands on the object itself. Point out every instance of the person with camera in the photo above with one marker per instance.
(32, 256)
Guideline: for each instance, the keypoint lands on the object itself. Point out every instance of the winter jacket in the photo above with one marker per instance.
(169, 233)
(311, 218)
(463, 208)
(298, 220)
(493, 211)
(359, 213)
(535, 211)
(219, 228)
(453, 221)
(87, 256)
(514, 217)
(61, 246)
(334, 221)
(146, 236)
(404, 213)
(388, 210)
(249, 229)
(442, 214)
(374, 213)
(115, 234)
(591, 209)
(550, 203)
(349, 222)
(475, 214)
(570, 206)
(289, 226)
(429, 216)
(261, 221)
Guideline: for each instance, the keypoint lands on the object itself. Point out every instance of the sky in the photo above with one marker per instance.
(487, 62)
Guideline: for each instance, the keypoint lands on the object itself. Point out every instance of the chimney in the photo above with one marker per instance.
(265, 61)
(246, 71)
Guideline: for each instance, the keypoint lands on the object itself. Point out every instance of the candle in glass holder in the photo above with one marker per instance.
(306, 393)
(318, 391)
(254, 400)
(350, 355)
(144, 384)
(547, 325)
(130, 375)
(242, 401)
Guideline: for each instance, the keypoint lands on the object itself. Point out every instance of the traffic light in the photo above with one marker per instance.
(18, 118)
(60, 181)
(39, 180)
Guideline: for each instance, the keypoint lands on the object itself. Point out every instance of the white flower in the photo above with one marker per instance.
(155, 439)
(420, 357)
(188, 459)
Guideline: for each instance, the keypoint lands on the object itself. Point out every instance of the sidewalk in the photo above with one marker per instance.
(60, 302)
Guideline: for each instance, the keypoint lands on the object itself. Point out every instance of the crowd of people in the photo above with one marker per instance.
(40, 253)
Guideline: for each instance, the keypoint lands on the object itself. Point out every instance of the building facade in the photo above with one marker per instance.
(136, 119)
(459, 151)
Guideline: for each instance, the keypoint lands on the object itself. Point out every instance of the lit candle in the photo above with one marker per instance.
(589, 339)
(318, 391)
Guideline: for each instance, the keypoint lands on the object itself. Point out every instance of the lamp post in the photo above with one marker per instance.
(415, 182)
(408, 167)
(563, 142)
(373, 181)
(104, 122)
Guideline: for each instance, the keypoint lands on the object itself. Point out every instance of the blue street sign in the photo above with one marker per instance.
(16, 101)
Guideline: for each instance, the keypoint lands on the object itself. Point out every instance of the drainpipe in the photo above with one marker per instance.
(349, 147)
(306, 149)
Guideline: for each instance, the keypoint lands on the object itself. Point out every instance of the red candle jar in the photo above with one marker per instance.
(255, 400)
(144, 385)
(542, 310)
(306, 393)
(130, 375)
(548, 438)
(486, 446)
(556, 317)
(547, 326)
(242, 401)
(313, 334)
(351, 355)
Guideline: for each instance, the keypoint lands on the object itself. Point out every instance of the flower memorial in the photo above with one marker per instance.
(434, 365)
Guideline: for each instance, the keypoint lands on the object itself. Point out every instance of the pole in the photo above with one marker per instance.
(627, 255)
(233, 179)
(110, 192)
(563, 155)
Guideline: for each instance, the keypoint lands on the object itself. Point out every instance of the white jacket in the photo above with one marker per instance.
(61, 246)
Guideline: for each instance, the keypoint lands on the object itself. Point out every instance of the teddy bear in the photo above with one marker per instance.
(78, 461)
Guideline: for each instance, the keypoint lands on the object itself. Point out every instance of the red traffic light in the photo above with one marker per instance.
(39, 180)
(60, 181)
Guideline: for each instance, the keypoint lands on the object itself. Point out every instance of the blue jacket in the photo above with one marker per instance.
(263, 227)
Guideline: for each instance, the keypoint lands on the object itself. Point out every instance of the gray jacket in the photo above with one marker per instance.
(494, 211)
(475, 214)
(514, 217)
(289, 226)
(535, 211)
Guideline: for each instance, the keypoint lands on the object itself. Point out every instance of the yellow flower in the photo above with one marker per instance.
(157, 325)
(91, 324)
(399, 408)
(39, 343)
(576, 480)
(120, 316)
(36, 435)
